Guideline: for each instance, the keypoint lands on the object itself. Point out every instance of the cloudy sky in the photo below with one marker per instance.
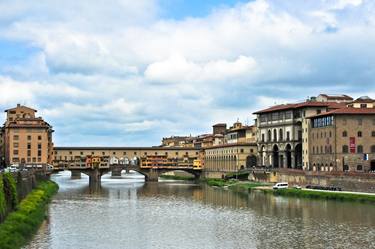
(125, 72)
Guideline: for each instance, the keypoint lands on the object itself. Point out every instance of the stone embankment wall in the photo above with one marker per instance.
(348, 181)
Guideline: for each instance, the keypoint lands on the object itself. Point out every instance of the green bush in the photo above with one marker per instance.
(3, 204)
(10, 190)
(20, 225)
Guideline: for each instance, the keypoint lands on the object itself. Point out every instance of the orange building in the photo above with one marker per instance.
(27, 139)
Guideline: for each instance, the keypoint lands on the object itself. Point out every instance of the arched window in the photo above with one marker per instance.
(344, 133)
(274, 135)
(345, 149)
(269, 136)
(280, 134)
(359, 149)
(313, 149)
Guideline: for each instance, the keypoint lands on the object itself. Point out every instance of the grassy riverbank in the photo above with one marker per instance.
(303, 193)
(172, 177)
(234, 184)
(20, 225)
(299, 193)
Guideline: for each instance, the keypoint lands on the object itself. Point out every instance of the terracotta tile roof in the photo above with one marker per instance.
(298, 105)
(363, 100)
(348, 111)
(20, 106)
(337, 97)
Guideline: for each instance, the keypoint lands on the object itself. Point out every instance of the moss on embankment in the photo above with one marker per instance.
(20, 225)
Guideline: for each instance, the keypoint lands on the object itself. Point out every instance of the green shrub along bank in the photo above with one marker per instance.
(183, 178)
(324, 195)
(3, 202)
(20, 225)
(10, 191)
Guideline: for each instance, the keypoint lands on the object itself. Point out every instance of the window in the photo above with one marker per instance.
(269, 136)
(39, 146)
(241, 150)
(318, 111)
(373, 133)
(16, 137)
(114, 153)
(287, 135)
(15, 152)
(15, 145)
(359, 149)
(28, 137)
(39, 153)
(29, 153)
(262, 137)
(359, 121)
(345, 149)
(359, 167)
(39, 137)
(280, 134)
(363, 105)
(274, 135)
(359, 134)
(176, 153)
(373, 149)
(344, 133)
(81, 153)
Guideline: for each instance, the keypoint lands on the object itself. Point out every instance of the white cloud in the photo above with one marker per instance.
(118, 68)
(178, 69)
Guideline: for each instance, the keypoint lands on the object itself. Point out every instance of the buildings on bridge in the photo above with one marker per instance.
(65, 157)
(26, 139)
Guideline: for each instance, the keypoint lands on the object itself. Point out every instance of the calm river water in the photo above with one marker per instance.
(128, 213)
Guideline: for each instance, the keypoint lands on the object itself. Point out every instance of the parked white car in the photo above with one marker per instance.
(11, 168)
(280, 185)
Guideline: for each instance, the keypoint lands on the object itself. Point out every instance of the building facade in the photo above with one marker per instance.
(27, 139)
(229, 158)
(343, 140)
(282, 133)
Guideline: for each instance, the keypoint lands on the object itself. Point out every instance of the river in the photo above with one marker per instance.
(126, 212)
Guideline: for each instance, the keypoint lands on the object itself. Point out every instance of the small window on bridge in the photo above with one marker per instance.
(166, 153)
(135, 153)
(124, 152)
(176, 153)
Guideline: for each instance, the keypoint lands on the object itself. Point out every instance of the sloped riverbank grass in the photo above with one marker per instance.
(302, 193)
(291, 192)
(20, 225)
(234, 184)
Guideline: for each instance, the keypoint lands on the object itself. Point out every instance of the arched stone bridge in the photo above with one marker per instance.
(151, 174)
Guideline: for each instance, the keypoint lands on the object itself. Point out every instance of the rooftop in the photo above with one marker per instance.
(348, 111)
(299, 105)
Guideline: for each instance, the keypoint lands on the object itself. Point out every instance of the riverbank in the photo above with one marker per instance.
(291, 192)
(20, 225)
(235, 184)
(174, 177)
